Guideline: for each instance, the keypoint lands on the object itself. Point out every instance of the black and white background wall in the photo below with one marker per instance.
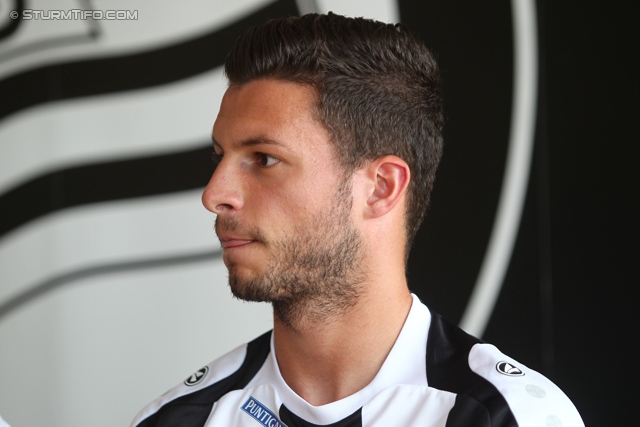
(111, 286)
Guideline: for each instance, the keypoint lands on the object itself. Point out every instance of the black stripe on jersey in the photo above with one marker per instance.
(192, 410)
(292, 420)
(468, 412)
(478, 402)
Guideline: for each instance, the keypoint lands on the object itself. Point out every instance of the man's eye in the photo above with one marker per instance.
(216, 158)
(265, 160)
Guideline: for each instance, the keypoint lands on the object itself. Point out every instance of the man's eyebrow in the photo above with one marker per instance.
(252, 141)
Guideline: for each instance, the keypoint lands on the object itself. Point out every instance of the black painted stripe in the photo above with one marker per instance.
(13, 25)
(92, 32)
(53, 283)
(104, 181)
(115, 180)
(141, 70)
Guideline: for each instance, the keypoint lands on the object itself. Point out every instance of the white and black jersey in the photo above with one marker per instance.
(435, 375)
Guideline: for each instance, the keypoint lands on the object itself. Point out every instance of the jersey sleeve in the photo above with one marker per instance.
(533, 399)
(200, 380)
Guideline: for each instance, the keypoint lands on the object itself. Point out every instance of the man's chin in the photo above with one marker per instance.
(246, 286)
(258, 289)
(248, 260)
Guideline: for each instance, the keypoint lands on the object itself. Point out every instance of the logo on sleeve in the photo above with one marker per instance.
(261, 413)
(508, 369)
(197, 376)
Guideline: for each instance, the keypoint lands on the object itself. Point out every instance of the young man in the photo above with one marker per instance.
(327, 139)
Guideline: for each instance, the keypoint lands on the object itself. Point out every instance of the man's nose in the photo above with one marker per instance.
(223, 192)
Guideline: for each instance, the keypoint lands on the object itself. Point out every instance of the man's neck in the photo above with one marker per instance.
(326, 362)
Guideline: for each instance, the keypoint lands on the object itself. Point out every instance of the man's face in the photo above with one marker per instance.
(283, 203)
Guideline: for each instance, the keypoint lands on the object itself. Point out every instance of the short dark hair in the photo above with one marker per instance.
(378, 90)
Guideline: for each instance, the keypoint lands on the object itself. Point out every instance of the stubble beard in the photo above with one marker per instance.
(313, 276)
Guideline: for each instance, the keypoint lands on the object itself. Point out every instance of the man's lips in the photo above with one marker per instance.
(233, 242)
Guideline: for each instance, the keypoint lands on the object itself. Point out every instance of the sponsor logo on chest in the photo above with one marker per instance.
(261, 413)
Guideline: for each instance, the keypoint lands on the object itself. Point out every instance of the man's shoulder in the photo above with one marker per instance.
(491, 385)
(193, 399)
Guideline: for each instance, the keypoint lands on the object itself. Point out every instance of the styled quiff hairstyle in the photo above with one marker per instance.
(378, 90)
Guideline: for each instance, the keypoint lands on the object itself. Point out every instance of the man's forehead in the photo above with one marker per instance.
(260, 111)
(267, 93)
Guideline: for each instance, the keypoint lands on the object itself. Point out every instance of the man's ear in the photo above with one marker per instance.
(390, 176)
